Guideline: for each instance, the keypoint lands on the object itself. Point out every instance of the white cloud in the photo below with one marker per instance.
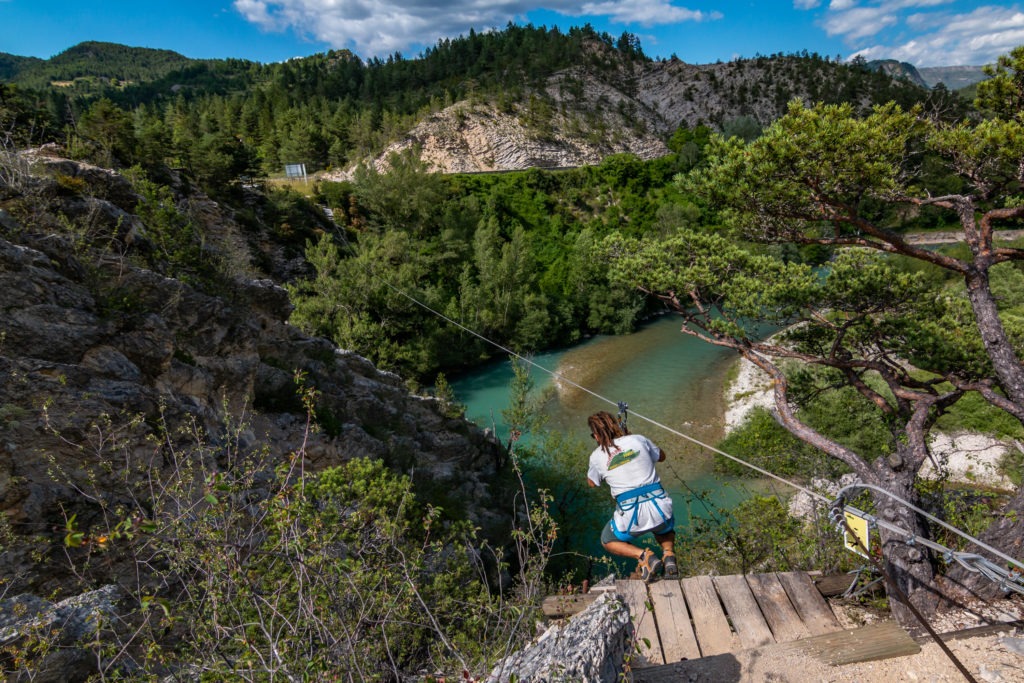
(841, 5)
(946, 38)
(859, 22)
(644, 12)
(905, 4)
(805, 4)
(380, 27)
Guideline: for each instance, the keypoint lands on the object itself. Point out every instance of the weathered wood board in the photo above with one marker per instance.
(678, 641)
(778, 611)
(745, 615)
(810, 605)
(714, 636)
(867, 643)
(648, 645)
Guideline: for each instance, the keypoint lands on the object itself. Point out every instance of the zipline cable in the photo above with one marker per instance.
(566, 380)
(970, 561)
(973, 562)
(932, 518)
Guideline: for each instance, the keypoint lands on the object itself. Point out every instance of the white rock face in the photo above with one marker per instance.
(465, 138)
(751, 389)
(969, 459)
(805, 506)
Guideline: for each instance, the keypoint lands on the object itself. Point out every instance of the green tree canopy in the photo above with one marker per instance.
(823, 176)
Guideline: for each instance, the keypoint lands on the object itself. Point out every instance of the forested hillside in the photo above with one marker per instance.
(510, 255)
(174, 304)
(333, 109)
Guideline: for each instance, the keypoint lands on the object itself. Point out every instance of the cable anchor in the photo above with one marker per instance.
(623, 416)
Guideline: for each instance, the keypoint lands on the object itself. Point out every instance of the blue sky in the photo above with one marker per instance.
(923, 32)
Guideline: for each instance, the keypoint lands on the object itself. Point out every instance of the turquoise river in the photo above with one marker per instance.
(663, 374)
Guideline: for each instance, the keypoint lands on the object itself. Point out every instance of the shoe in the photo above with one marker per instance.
(671, 569)
(648, 566)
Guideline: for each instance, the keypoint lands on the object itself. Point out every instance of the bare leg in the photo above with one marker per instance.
(667, 541)
(623, 549)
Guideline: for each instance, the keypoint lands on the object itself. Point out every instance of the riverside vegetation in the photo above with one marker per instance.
(163, 447)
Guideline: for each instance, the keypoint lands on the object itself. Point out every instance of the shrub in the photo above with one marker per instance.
(247, 570)
(758, 535)
(762, 441)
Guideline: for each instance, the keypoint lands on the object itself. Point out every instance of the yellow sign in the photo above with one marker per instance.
(859, 526)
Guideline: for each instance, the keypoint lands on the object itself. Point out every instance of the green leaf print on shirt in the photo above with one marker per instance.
(621, 458)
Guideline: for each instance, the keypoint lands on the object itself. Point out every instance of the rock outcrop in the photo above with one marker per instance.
(590, 648)
(56, 631)
(99, 357)
(583, 114)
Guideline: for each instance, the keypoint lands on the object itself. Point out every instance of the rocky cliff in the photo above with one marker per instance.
(606, 106)
(107, 365)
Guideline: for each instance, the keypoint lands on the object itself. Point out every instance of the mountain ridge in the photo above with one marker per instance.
(524, 97)
(582, 114)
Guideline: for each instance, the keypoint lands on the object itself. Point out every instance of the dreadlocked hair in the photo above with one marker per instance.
(605, 429)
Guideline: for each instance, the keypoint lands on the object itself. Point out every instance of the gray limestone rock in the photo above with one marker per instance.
(590, 648)
(90, 343)
(58, 631)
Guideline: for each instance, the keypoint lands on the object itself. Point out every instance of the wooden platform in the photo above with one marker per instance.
(703, 616)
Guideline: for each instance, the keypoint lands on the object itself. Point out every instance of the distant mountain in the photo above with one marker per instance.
(896, 69)
(953, 77)
(91, 65)
(604, 105)
(12, 65)
(518, 98)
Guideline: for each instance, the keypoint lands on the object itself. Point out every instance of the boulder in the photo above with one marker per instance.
(55, 636)
(589, 648)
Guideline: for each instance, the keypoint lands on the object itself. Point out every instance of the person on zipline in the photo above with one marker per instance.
(626, 462)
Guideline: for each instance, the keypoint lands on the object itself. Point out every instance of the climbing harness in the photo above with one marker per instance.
(630, 501)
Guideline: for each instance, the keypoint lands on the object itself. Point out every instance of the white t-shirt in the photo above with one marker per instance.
(630, 466)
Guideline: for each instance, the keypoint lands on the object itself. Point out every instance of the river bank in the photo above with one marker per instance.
(965, 457)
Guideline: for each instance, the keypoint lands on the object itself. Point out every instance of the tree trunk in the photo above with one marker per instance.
(1005, 534)
(1000, 351)
(908, 566)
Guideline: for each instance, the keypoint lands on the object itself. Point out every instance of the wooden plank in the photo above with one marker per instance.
(834, 584)
(810, 605)
(635, 595)
(678, 642)
(778, 611)
(974, 632)
(743, 612)
(566, 605)
(867, 643)
(714, 636)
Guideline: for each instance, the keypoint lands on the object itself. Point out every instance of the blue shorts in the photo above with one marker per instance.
(610, 533)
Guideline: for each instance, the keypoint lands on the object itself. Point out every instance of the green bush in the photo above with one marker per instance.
(762, 441)
(758, 535)
(247, 571)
